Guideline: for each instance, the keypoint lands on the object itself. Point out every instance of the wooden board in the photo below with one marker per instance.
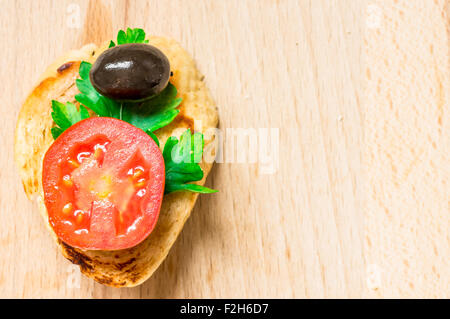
(318, 227)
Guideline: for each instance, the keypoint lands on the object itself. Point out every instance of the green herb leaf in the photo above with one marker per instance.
(130, 36)
(154, 137)
(155, 113)
(181, 159)
(150, 115)
(89, 97)
(189, 187)
(65, 115)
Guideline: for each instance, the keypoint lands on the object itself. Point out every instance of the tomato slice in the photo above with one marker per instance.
(103, 183)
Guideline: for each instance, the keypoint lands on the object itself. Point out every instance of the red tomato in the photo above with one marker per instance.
(103, 183)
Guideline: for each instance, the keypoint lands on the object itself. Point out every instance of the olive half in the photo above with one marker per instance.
(130, 72)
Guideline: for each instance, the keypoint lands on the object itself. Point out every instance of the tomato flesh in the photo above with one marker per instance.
(103, 183)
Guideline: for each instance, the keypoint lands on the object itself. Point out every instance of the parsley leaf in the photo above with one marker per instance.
(154, 137)
(181, 159)
(149, 115)
(131, 36)
(65, 115)
(155, 113)
(89, 97)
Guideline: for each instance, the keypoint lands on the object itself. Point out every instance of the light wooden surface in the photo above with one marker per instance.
(294, 65)
(406, 149)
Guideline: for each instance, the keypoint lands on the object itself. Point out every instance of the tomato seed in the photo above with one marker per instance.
(67, 209)
(67, 181)
(140, 183)
(75, 164)
(79, 216)
(98, 152)
(138, 173)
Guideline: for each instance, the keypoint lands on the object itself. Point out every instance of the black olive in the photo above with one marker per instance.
(130, 72)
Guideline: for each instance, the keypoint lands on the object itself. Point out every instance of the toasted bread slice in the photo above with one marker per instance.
(128, 267)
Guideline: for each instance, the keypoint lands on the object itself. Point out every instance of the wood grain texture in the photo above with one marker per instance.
(407, 138)
(295, 65)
